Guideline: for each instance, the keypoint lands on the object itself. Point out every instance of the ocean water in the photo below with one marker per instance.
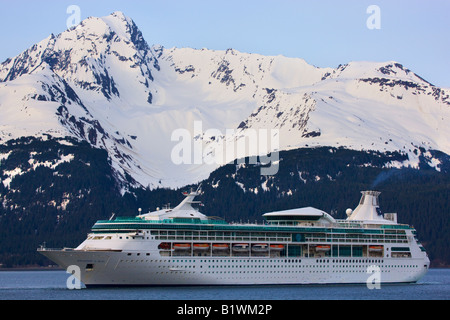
(51, 285)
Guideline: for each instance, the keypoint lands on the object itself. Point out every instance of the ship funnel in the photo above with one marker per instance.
(368, 208)
(370, 198)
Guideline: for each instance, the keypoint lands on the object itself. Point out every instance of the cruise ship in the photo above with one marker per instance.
(182, 246)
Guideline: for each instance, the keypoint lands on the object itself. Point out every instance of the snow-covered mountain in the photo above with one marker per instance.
(101, 82)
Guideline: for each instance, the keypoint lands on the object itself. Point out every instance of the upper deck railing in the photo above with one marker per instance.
(340, 226)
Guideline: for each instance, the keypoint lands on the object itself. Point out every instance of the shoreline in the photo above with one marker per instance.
(33, 268)
(57, 268)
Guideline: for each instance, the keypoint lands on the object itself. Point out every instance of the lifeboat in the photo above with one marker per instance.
(276, 247)
(376, 248)
(260, 247)
(181, 246)
(240, 247)
(323, 248)
(220, 246)
(201, 246)
(164, 246)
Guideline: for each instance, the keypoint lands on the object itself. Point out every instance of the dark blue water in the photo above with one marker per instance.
(51, 285)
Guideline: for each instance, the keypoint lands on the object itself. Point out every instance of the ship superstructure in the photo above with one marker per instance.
(182, 246)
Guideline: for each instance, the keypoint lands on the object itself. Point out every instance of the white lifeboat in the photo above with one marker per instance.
(260, 247)
(241, 247)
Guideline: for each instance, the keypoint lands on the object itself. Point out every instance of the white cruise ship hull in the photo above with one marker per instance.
(107, 268)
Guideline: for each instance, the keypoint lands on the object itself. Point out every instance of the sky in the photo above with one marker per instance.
(325, 33)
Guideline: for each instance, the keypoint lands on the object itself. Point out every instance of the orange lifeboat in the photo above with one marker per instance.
(276, 247)
(323, 248)
(201, 246)
(181, 246)
(376, 248)
(220, 246)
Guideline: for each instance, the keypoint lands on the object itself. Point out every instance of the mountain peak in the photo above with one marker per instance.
(125, 27)
(118, 22)
(119, 15)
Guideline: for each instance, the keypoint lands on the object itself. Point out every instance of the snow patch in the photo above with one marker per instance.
(4, 156)
(51, 164)
(11, 174)
(241, 185)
